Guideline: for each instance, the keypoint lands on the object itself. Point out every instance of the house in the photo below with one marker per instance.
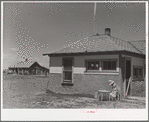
(32, 69)
(36, 69)
(140, 44)
(87, 68)
(19, 69)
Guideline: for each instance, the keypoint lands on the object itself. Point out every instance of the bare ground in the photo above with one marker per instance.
(29, 92)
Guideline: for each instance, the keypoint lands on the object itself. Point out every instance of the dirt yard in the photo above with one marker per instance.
(29, 92)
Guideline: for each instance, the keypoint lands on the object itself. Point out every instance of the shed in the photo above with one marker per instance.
(30, 69)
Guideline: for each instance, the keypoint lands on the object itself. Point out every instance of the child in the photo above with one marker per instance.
(115, 89)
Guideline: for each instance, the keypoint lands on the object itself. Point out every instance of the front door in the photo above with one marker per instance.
(128, 74)
(67, 69)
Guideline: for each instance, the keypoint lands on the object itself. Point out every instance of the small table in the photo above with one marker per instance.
(102, 92)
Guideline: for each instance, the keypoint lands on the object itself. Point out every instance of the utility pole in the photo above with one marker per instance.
(94, 18)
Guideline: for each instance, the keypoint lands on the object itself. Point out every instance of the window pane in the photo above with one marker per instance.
(140, 72)
(113, 65)
(105, 65)
(109, 65)
(97, 65)
(67, 75)
(93, 65)
(135, 72)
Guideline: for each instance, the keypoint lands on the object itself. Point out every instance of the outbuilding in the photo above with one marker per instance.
(29, 69)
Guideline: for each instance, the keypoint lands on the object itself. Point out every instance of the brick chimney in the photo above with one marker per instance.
(108, 31)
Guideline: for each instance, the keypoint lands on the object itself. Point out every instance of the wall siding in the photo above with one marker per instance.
(138, 61)
(55, 69)
(56, 61)
(78, 70)
(79, 63)
(83, 83)
(89, 83)
(101, 57)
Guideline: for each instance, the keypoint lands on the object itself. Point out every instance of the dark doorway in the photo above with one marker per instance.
(16, 70)
(67, 69)
(128, 74)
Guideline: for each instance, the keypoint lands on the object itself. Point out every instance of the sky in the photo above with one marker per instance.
(31, 29)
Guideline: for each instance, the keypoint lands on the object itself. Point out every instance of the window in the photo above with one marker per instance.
(101, 65)
(93, 65)
(67, 72)
(137, 72)
(109, 65)
(67, 76)
(140, 72)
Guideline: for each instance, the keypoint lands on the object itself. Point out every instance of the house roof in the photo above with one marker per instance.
(140, 44)
(100, 43)
(23, 65)
(28, 65)
(37, 64)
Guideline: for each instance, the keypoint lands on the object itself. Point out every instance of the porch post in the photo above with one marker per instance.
(122, 75)
(62, 76)
(125, 87)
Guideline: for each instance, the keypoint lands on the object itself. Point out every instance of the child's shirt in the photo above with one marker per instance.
(115, 89)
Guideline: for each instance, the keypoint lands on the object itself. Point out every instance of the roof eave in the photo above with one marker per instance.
(96, 53)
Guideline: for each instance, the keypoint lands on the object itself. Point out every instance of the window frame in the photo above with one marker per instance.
(100, 69)
(109, 69)
(93, 60)
(65, 69)
(138, 76)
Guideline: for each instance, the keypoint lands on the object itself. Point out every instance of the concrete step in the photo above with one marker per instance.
(137, 100)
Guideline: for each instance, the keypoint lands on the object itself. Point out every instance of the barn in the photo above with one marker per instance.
(29, 69)
(87, 69)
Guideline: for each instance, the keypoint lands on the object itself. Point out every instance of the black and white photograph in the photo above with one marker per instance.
(76, 56)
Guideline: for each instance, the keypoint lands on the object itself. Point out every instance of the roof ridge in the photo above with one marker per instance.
(137, 41)
(115, 44)
(128, 42)
(135, 47)
(92, 44)
(60, 49)
(121, 40)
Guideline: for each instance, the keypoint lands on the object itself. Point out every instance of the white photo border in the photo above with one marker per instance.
(73, 114)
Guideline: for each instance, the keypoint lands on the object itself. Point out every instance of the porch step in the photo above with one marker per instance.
(136, 100)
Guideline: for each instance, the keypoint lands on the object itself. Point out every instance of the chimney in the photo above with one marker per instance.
(108, 31)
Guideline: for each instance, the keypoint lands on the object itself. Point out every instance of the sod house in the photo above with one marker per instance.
(87, 68)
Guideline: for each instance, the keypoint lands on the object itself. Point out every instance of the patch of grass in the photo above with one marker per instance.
(69, 95)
